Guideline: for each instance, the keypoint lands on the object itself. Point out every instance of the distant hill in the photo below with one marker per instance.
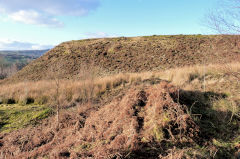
(23, 56)
(33, 53)
(135, 54)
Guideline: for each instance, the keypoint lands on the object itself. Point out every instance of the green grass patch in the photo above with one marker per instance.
(13, 117)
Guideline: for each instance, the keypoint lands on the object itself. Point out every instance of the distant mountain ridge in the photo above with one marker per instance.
(33, 53)
(20, 56)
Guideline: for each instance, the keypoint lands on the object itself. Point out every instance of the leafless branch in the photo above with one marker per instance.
(225, 19)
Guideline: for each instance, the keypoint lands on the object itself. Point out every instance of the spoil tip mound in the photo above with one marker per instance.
(137, 54)
(143, 123)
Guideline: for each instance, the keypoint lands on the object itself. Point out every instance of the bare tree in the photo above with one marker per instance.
(6, 70)
(2, 75)
(55, 75)
(225, 19)
(57, 98)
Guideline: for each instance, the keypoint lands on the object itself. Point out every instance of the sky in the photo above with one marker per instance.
(34, 24)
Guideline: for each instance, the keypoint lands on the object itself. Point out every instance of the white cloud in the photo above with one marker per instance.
(45, 12)
(18, 45)
(33, 17)
(91, 35)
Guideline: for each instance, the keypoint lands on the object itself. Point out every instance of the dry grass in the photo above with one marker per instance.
(130, 125)
(184, 75)
(114, 55)
(98, 130)
(42, 92)
(70, 91)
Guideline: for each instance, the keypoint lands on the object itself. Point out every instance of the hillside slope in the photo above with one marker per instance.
(137, 54)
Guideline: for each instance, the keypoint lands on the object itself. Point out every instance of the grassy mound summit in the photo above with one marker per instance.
(137, 54)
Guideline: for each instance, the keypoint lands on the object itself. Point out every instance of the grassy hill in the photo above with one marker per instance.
(134, 98)
(137, 54)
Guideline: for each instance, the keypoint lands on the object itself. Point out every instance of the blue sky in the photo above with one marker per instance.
(32, 24)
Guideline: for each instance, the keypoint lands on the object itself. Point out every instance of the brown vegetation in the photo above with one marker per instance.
(92, 88)
(131, 115)
(131, 125)
(139, 54)
(160, 112)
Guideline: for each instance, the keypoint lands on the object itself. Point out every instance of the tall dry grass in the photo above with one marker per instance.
(42, 92)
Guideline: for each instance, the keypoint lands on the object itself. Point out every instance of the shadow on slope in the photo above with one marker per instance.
(219, 125)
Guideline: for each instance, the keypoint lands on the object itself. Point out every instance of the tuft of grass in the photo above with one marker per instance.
(158, 134)
(13, 117)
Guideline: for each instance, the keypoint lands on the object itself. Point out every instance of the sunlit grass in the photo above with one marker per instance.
(13, 117)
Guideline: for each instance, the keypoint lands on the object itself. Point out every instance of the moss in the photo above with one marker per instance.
(144, 140)
(13, 117)
(165, 118)
(197, 152)
(158, 133)
(219, 143)
(83, 147)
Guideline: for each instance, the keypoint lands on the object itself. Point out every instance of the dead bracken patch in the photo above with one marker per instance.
(144, 123)
(142, 119)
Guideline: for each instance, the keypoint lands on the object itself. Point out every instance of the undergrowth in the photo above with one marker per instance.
(207, 94)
